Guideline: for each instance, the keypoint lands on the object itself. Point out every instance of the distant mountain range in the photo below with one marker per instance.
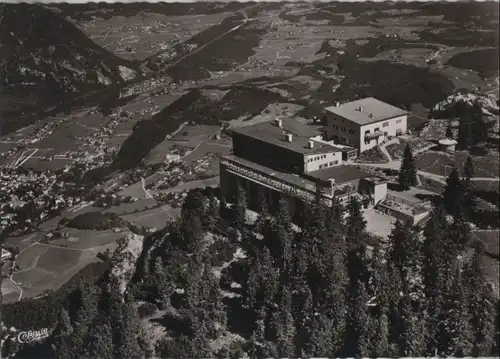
(45, 59)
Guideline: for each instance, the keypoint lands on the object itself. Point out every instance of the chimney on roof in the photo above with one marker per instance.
(360, 109)
(370, 115)
(278, 122)
(288, 137)
(337, 104)
(310, 144)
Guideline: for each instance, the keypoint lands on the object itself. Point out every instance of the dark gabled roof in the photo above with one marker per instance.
(372, 110)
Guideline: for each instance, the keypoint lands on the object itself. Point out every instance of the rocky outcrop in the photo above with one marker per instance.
(448, 107)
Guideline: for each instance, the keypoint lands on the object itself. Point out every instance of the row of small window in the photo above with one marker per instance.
(343, 129)
(333, 163)
(342, 139)
(317, 158)
(384, 124)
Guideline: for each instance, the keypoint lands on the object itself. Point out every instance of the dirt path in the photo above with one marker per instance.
(143, 186)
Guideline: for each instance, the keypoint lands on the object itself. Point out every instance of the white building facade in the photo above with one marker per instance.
(365, 123)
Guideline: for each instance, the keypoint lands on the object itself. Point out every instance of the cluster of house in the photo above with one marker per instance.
(286, 157)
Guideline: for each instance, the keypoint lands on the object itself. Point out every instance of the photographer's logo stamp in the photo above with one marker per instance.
(32, 336)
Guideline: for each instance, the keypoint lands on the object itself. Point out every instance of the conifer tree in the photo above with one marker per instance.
(495, 351)
(262, 205)
(355, 223)
(84, 317)
(454, 334)
(437, 259)
(449, 130)
(283, 238)
(302, 312)
(408, 171)
(481, 306)
(319, 340)
(357, 339)
(129, 333)
(468, 169)
(62, 346)
(453, 194)
(465, 136)
(101, 343)
(413, 335)
(285, 325)
(239, 207)
(405, 252)
(379, 345)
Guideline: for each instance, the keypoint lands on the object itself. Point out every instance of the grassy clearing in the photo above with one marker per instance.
(87, 239)
(157, 217)
(205, 148)
(38, 164)
(434, 162)
(35, 279)
(29, 257)
(59, 260)
(129, 208)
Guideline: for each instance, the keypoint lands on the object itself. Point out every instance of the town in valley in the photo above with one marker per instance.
(249, 180)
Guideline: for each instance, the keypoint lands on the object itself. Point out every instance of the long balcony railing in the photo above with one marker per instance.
(307, 193)
(373, 135)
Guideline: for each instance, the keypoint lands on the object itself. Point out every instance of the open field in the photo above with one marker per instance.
(129, 208)
(215, 147)
(157, 217)
(211, 182)
(78, 209)
(140, 36)
(44, 165)
(434, 162)
(191, 136)
(49, 266)
(88, 239)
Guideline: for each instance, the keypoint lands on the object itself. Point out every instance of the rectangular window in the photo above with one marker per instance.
(399, 121)
(367, 132)
(385, 124)
(377, 129)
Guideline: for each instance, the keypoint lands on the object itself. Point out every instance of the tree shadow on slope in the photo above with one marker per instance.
(398, 84)
(192, 107)
(485, 62)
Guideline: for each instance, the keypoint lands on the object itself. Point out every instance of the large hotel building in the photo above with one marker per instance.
(285, 157)
(365, 123)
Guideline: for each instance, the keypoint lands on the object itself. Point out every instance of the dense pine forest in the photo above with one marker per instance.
(222, 283)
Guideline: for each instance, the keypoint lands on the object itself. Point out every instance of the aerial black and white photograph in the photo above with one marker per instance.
(254, 180)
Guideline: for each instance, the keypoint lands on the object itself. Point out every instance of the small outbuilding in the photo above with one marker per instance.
(447, 145)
